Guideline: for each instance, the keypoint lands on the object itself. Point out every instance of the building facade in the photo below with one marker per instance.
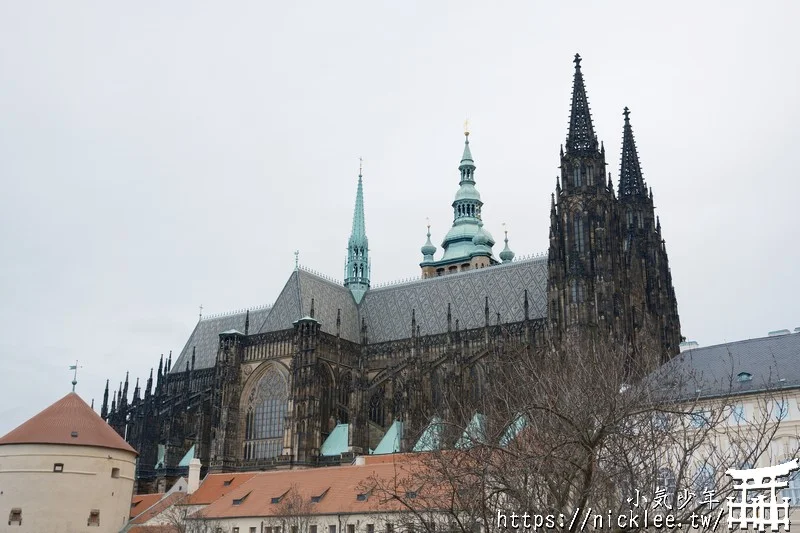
(267, 387)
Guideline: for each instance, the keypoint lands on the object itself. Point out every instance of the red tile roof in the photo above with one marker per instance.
(159, 507)
(68, 421)
(142, 502)
(216, 485)
(338, 486)
(155, 529)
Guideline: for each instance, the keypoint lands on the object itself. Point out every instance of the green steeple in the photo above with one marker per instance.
(356, 273)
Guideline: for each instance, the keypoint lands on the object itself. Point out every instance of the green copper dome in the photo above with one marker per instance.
(428, 249)
(506, 255)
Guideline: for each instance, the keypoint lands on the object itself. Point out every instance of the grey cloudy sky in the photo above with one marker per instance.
(156, 156)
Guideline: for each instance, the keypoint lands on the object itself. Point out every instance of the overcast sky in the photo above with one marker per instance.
(156, 156)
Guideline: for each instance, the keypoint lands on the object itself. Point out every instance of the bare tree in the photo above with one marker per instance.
(180, 520)
(578, 434)
(293, 512)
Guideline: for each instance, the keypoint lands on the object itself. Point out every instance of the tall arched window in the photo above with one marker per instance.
(377, 413)
(264, 416)
(577, 222)
(344, 388)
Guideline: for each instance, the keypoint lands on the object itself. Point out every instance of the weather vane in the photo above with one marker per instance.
(466, 126)
(74, 368)
(200, 316)
(297, 259)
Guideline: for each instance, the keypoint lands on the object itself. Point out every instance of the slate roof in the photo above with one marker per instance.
(772, 362)
(205, 337)
(329, 296)
(69, 421)
(387, 310)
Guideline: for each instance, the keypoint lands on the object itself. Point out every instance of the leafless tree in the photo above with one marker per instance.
(179, 519)
(293, 512)
(585, 429)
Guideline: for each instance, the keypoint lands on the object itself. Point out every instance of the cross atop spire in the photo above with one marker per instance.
(581, 139)
(631, 182)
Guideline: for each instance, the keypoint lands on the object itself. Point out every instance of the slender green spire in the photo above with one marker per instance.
(356, 274)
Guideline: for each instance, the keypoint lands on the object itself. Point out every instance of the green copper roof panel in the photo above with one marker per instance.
(390, 443)
(336, 443)
(513, 430)
(188, 457)
(431, 439)
(475, 433)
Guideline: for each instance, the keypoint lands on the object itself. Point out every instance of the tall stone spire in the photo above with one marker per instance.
(356, 275)
(581, 139)
(631, 182)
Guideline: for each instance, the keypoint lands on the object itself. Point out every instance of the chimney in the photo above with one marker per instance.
(194, 476)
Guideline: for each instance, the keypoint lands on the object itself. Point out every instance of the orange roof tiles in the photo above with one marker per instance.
(155, 529)
(216, 485)
(141, 502)
(68, 421)
(159, 507)
(339, 487)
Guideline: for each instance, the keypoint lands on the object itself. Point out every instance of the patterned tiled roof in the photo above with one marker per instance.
(68, 421)
(771, 362)
(205, 337)
(294, 303)
(387, 310)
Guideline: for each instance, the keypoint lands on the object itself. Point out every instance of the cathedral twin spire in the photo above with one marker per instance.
(581, 139)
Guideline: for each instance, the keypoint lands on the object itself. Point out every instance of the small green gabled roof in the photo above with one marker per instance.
(513, 429)
(390, 443)
(431, 439)
(475, 433)
(336, 443)
(187, 458)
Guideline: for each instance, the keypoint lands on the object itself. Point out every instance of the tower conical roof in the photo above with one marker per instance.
(68, 421)
(631, 182)
(359, 232)
(581, 139)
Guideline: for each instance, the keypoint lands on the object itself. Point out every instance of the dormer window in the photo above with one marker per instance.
(744, 377)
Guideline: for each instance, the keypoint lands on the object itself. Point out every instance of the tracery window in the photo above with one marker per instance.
(377, 413)
(265, 416)
(577, 223)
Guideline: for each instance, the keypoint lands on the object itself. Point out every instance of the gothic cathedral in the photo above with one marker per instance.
(334, 369)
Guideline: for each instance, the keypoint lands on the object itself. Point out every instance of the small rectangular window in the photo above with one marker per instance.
(370, 528)
(94, 518)
(351, 528)
(252, 530)
(781, 409)
(58, 467)
(235, 530)
(738, 413)
(267, 530)
(312, 529)
(389, 527)
(331, 529)
(115, 473)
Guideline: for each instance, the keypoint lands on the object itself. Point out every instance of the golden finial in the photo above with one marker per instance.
(466, 127)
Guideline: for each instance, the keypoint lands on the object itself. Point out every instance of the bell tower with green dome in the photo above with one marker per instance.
(356, 270)
(468, 244)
